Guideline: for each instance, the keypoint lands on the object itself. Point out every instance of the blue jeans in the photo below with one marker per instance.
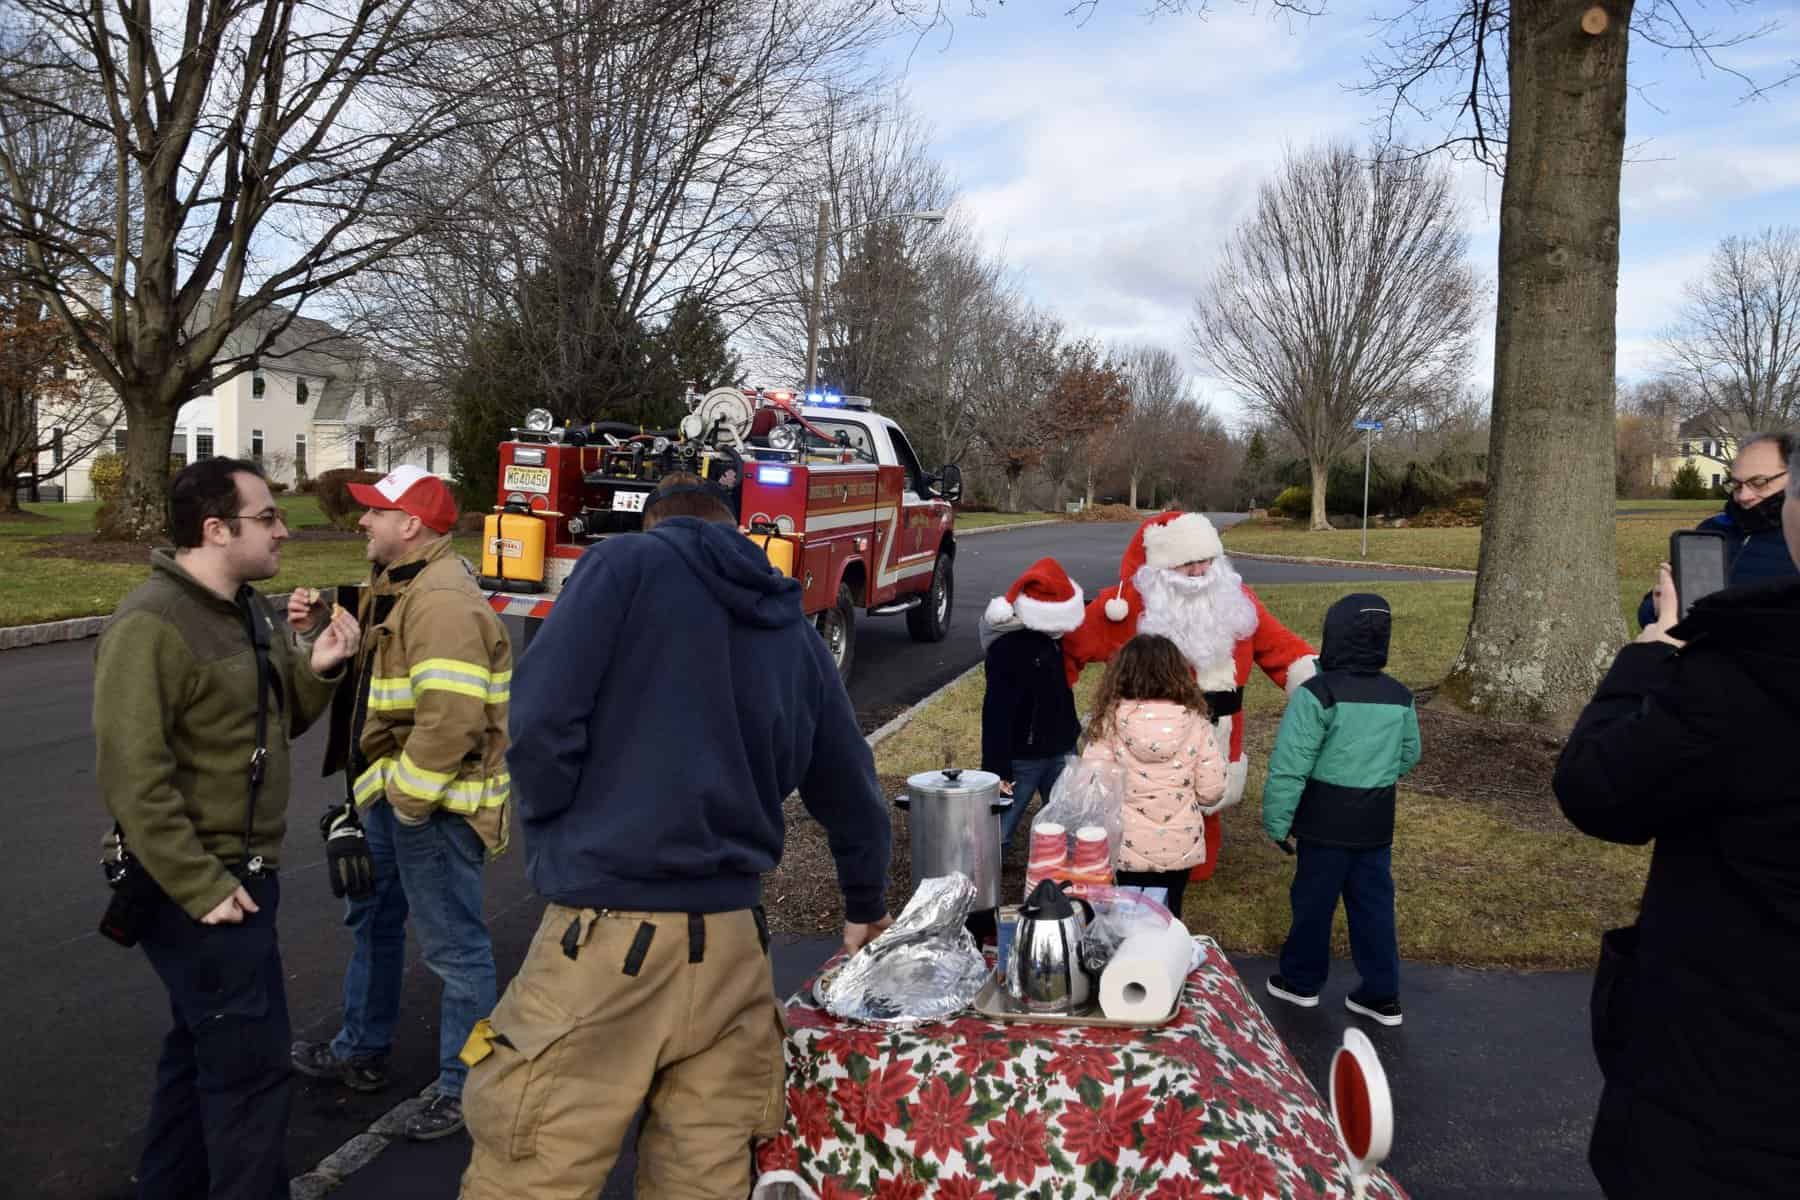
(218, 1120)
(433, 872)
(1365, 879)
(1029, 775)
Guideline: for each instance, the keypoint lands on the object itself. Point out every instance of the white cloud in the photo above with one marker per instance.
(1109, 162)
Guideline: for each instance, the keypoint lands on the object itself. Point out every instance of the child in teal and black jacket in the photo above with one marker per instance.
(1348, 735)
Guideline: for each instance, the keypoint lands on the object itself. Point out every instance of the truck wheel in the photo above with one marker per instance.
(837, 625)
(930, 622)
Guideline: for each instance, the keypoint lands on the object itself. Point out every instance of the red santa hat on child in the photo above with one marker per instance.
(1044, 598)
(1165, 540)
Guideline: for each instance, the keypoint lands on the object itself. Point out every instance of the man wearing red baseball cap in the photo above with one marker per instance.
(409, 490)
(425, 739)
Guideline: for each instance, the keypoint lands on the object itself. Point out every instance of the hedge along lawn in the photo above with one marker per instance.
(40, 587)
(1471, 887)
(983, 520)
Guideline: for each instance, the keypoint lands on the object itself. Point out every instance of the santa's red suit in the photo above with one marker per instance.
(1215, 619)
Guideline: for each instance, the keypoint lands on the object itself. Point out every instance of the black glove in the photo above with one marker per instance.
(347, 858)
(1287, 844)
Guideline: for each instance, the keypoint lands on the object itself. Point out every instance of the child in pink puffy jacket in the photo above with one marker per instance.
(1151, 720)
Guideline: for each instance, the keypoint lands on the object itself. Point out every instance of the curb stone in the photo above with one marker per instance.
(75, 629)
(1357, 563)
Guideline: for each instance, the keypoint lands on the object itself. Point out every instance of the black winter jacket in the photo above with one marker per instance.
(1029, 710)
(1694, 749)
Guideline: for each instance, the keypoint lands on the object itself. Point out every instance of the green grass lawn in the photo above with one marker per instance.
(1471, 886)
(1643, 541)
(38, 587)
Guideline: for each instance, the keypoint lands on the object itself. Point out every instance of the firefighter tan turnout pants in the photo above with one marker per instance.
(611, 1009)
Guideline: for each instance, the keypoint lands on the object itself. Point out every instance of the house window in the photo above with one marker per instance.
(1715, 479)
(178, 449)
(258, 384)
(431, 458)
(203, 443)
(1687, 449)
(300, 391)
(361, 459)
(299, 456)
(204, 387)
(56, 447)
(256, 444)
(368, 395)
(1707, 449)
(118, 441)
(390, 456)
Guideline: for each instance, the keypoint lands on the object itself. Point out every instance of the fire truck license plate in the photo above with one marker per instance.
(527, 479)
(629, 501)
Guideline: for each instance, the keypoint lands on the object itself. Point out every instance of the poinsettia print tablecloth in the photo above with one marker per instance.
(1209, 1105)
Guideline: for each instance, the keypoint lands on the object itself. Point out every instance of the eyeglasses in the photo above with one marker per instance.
(267, 518)
(1754, 483)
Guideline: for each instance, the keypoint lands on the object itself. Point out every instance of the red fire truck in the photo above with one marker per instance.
(829, 488)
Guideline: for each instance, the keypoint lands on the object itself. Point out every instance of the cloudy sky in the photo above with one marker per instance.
(1108, 160)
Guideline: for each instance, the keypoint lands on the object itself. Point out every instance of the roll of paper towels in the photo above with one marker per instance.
(1145, 975)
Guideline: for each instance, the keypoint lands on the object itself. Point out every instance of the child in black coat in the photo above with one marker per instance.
(1028, 723)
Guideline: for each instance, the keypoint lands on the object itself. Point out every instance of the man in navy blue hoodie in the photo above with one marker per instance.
(674, 697)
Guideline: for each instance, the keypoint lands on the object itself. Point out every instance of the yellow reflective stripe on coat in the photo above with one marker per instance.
(462, 678)
(436, 787)
(388, 693)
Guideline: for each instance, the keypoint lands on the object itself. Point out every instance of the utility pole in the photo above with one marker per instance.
(1368, 428)
(818, 296)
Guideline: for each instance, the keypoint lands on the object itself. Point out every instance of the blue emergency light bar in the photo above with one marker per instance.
(774, 476)
(826, 399)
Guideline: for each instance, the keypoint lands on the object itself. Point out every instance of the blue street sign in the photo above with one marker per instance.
(1368, 425)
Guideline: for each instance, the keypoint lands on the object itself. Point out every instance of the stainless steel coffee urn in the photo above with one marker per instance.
(954, 818)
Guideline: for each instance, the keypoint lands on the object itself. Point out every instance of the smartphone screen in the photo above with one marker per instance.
(1698, 560)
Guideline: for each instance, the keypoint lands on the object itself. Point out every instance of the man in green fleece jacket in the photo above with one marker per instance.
(1347, 737)
(176, 685)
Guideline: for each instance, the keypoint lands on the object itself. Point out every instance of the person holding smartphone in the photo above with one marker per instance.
(1685, 744)
(1756, 497)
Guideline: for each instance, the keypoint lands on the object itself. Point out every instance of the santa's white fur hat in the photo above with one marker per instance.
(1188, 538)
(1044, 598)
(1166, 540)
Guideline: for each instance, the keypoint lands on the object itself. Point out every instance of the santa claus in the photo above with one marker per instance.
(1176, 581)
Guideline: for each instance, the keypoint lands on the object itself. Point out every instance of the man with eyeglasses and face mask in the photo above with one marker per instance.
(1756, 495)
(196, 693)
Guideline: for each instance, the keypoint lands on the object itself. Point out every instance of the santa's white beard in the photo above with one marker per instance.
(1205, 617)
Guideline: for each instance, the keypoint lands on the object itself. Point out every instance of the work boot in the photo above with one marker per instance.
(1387, 1012)
(318, 1061)
(1281, 989)
(441, 1117)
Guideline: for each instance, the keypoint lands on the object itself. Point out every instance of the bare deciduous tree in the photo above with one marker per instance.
(635, 155)
(1735, 347)
(1160, 408)
(1347, 292)
(257, 142)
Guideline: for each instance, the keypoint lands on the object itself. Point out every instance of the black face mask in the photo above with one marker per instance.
(1759, 517)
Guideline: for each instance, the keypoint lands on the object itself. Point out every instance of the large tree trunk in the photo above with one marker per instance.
(1319, 481)
(1015, 480)
(1134, 483)
(1546, 620)
(140, 514)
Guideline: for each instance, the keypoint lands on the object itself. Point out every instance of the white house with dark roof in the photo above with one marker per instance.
(318, 400)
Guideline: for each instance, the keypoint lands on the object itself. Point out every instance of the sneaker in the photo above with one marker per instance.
(441, 1117)
(1385, 1012)
(318, 1061)
(1281, 989)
